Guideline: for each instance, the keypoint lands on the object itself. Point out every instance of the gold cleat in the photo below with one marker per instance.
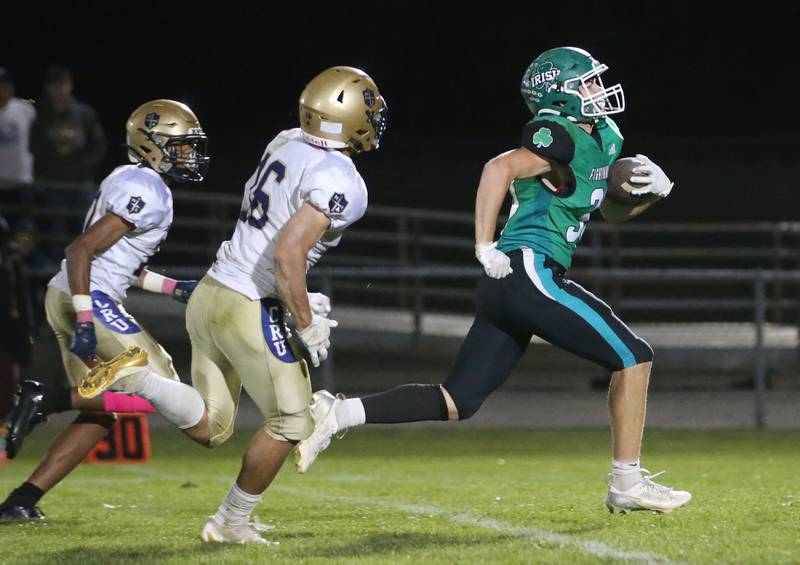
(104, 374)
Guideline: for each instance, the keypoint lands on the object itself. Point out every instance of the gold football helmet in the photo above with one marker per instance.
(342, 108)
(166, 136)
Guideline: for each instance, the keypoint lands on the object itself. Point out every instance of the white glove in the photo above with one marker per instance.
(651, 175)
(316, 338)
(496, 263)
(320, 304)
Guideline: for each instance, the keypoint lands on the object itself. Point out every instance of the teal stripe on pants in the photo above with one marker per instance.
(584, 311)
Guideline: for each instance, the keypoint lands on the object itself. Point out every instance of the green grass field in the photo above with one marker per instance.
(441, 495)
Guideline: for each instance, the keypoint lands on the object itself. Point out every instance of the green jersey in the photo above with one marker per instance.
(549, 219)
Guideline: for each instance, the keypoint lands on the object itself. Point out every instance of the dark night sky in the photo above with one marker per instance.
(694, 80)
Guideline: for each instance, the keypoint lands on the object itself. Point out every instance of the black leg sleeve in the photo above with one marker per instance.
(55, 399)
(406, 403)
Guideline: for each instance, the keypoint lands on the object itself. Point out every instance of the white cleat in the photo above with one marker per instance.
(216, 532)
(323, 411)
(646, 495)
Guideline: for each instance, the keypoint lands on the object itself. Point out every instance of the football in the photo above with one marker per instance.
(619, 183)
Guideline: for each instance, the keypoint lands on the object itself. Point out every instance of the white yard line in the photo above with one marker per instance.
(594, 548)
(589, 547)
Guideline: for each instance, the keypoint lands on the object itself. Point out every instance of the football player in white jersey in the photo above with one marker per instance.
(303, 194)
(129, 218)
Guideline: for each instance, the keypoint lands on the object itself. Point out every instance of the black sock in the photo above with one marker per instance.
(27, 494)
(406, 403)
(55, 399)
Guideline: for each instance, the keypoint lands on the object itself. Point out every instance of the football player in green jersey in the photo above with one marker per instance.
(557, 178)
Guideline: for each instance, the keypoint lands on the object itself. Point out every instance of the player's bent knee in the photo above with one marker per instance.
(215, 440)
(290, 427)
(466, 401)
(644, 353)
(103, 420)
(468, 408)
(219, 430)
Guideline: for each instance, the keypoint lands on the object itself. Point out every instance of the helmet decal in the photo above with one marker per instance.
(545, 72)
(566, 81)
(369, 97)
(151, 120)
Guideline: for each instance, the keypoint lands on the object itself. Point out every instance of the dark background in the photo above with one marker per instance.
(711, 92)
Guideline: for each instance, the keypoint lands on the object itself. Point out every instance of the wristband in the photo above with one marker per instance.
(82, 303)
(153, 282)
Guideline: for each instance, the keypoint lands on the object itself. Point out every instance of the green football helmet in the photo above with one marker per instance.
(559, 81)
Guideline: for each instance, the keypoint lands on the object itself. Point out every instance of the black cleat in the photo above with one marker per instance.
(27, 414)
(19, 513)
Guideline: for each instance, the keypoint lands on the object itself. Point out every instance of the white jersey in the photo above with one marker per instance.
(291, 173)
(16, 161)
(138, 195)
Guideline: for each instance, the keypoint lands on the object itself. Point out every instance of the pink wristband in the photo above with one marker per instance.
(84, 316)
(153, 282)
(82, 303)
(168, 285)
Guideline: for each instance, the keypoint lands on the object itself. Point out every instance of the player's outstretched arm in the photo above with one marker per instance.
(298, 236)
(154, 282)
(496, 179)
(79, 254)
(95, 240)
(498, 174)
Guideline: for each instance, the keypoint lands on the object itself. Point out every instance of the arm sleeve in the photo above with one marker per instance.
(549, 140)
(339, 194)
(136, 203)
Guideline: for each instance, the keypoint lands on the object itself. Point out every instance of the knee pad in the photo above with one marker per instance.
(100, 419)
(290, 427)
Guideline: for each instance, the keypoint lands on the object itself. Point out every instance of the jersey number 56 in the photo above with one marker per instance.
(256, 213)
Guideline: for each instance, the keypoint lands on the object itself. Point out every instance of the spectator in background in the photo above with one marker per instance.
(15, 337)
(16, 162)
(16, 116)
(67, 142)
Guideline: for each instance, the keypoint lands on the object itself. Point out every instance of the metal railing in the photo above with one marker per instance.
(396, 252)
(406, 237)
(757, 302)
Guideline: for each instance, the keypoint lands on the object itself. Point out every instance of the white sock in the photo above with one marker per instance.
(236, 508)
(625, 475)
(180, 404)
(350, 413)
